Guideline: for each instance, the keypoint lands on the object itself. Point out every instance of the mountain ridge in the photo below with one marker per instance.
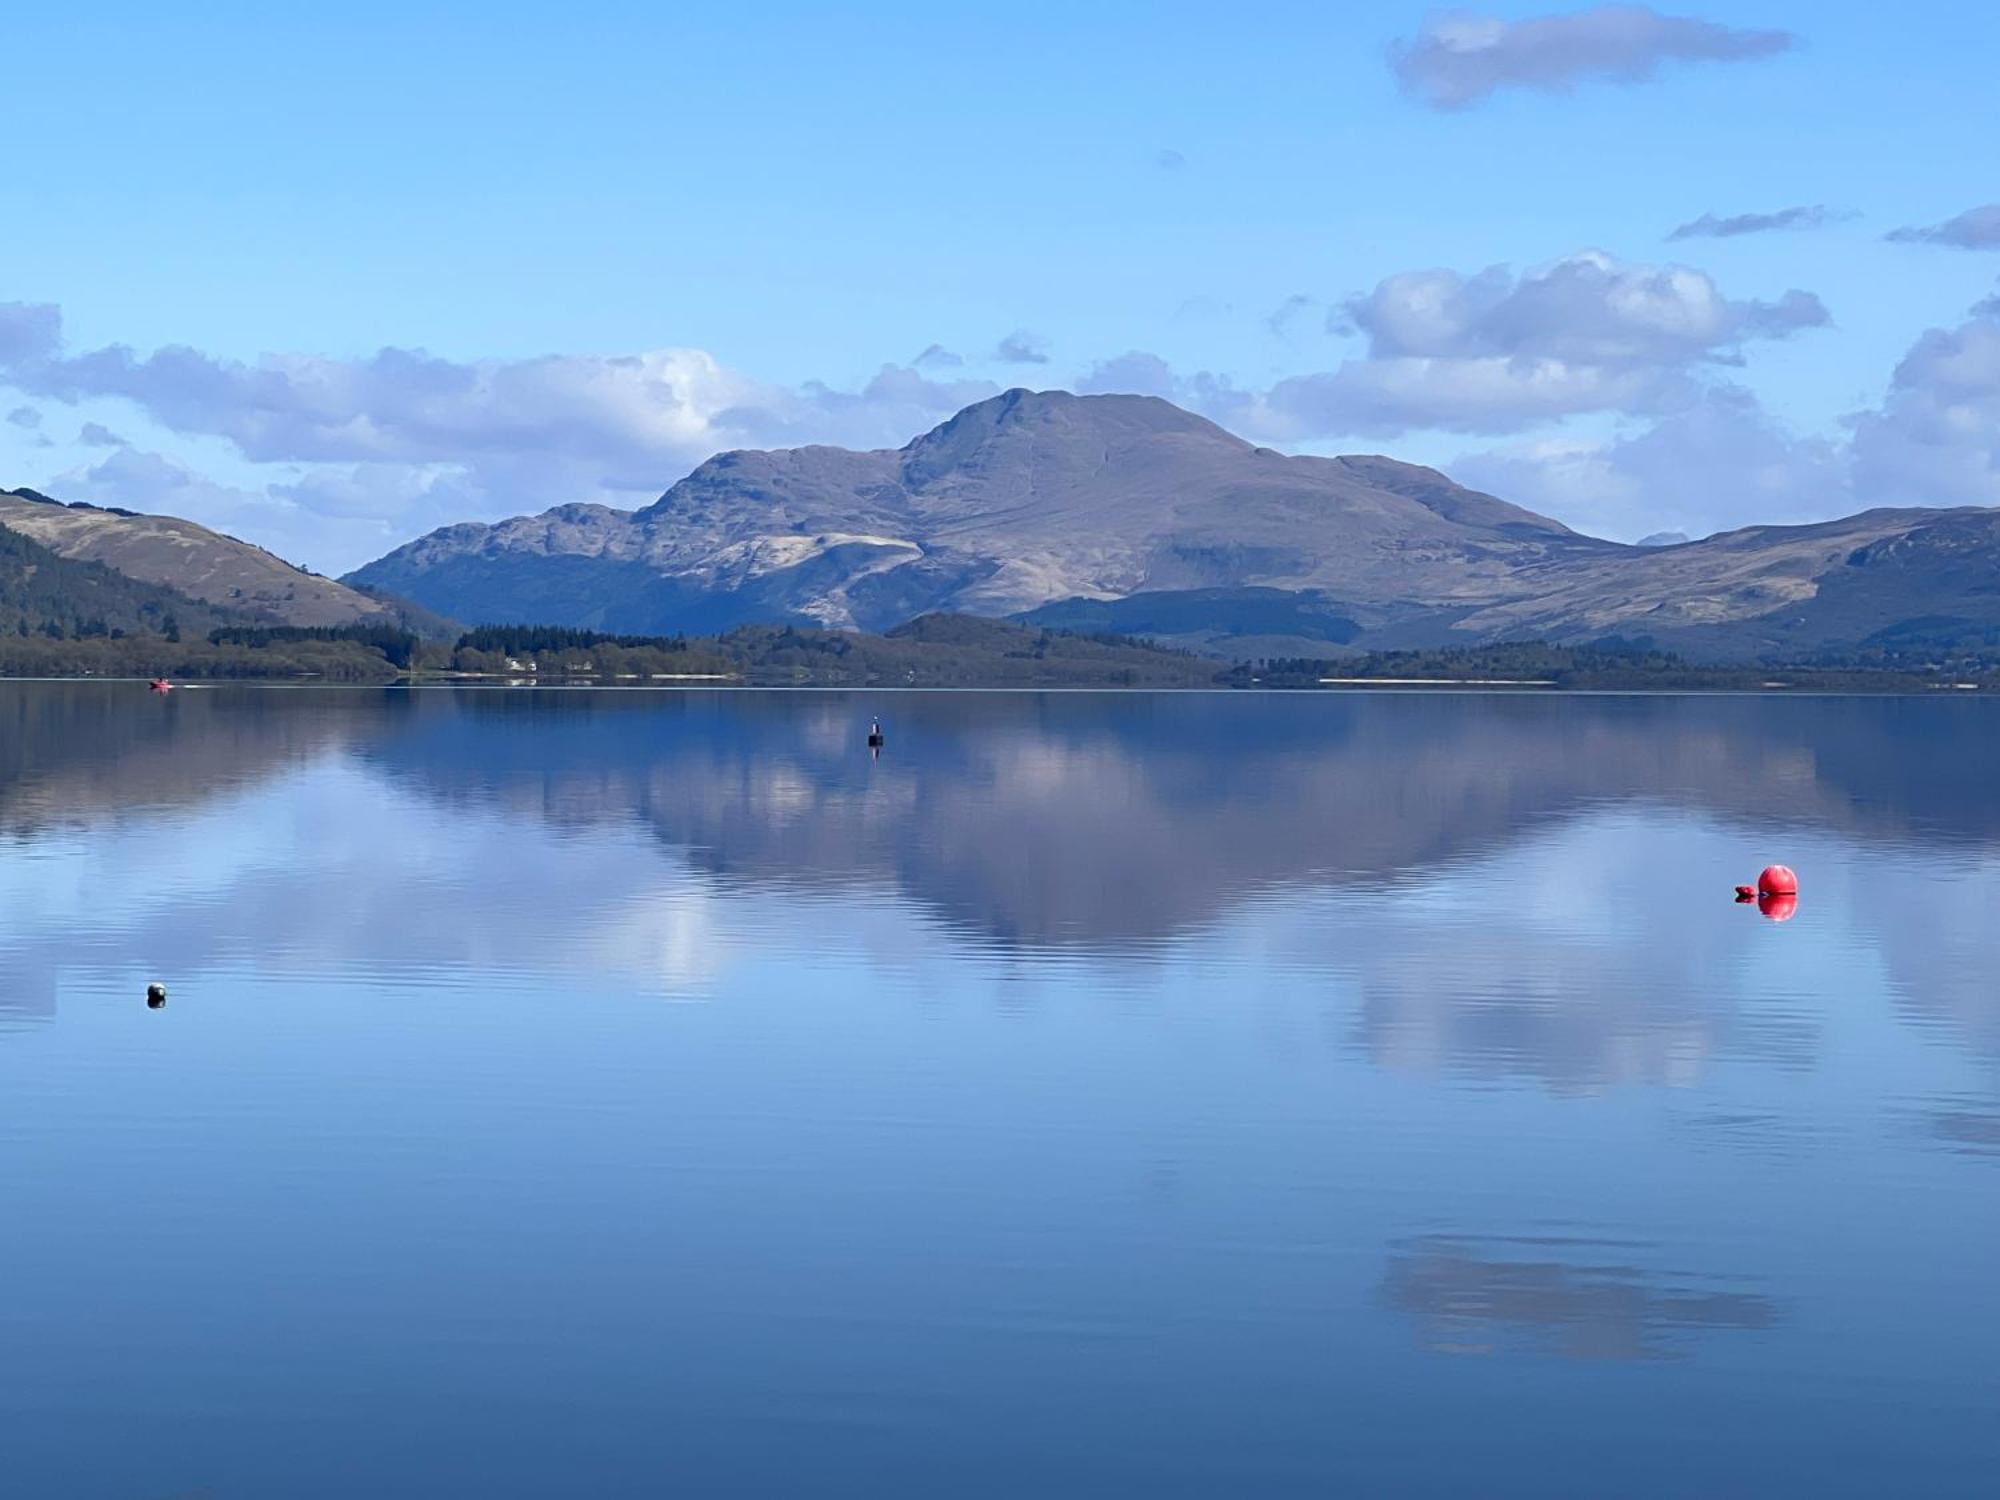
(1011, 504)
(232, 576)
(1120, 513)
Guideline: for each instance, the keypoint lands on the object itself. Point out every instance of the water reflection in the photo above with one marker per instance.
(1130, 1093)
(1492, 887)
(1971, 1129)
(1580, 1298)
(72, 755)
(1042, 819)
(1054, 819)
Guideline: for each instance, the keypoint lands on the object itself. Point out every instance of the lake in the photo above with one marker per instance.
(624, 1094)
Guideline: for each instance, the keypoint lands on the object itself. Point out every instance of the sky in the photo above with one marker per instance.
(330, 279)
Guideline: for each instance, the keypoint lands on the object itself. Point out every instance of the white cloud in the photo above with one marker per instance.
(1022, 348)
(275, 516)
(166, 484)
(1936, 439)
(1975, 229)
(1134, 373)
(1281, 318)
(1495, 352)
(1724, 462)
(1721, 463)
(1459, 58)
(29, 331)
(1587, 308)
(348, 457)
(395, 437)
(1721, 227)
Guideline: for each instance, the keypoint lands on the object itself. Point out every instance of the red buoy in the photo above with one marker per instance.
(1778, 880)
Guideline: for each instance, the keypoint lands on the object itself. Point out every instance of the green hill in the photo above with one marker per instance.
(57, 598)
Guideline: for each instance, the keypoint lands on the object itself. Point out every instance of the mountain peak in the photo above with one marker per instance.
(1021, 419)
(1020, 406)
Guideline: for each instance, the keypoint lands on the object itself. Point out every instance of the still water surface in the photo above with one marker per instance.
(599, 1094)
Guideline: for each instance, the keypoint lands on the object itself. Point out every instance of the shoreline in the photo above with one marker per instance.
(1409, 687)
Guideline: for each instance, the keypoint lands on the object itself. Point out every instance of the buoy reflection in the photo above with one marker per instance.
(1778, 906)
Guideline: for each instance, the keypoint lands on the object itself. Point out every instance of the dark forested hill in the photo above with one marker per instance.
(54, 597)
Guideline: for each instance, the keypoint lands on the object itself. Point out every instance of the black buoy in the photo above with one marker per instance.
(875, 735)
(156, 996)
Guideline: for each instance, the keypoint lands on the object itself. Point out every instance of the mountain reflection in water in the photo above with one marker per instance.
(1095, 1094)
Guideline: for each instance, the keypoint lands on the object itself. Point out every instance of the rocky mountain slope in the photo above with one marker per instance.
(1014, 503)
(218, 570)
(1899, 578)
(1118, 513)
(1126, 513)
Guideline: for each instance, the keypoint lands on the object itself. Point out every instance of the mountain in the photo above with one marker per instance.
(1109, 513)
(243, 581)
(1014, 503)
(42, 593)
(1896, 580)
(1127, 514)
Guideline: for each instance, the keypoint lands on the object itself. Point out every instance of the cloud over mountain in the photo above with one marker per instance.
(1022, 348)
(1936, 438)
(1721, 463)
(1496, 351)
(333, 459)
(488, 436)
(1459, 58)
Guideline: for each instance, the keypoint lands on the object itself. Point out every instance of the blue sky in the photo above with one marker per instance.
(794, 199)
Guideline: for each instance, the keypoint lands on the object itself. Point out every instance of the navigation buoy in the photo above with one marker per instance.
(156, 996)
(1776, 893)
(875, 735)
(1778, 880)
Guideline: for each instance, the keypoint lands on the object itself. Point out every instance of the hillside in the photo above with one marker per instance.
(1882, 580)
(1014, 503)
(1126, 514)
(1096, 515)
(201, 564)
(55, 598)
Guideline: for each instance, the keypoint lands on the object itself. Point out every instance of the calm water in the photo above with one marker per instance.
(574, 1094)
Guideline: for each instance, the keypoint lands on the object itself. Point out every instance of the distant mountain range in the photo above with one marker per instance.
(1016, 503)
(1119, 513)
(1126, 513)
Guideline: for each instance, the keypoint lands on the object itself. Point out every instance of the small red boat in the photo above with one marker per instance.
(161, 685)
